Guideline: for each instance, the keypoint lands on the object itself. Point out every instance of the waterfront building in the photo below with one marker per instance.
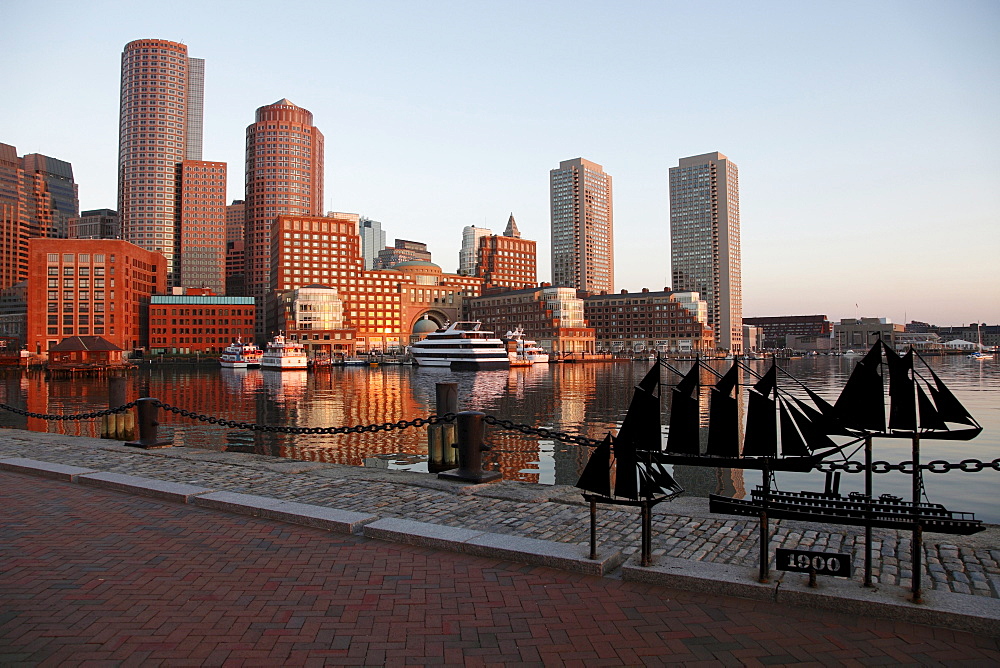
(160, 126)
(860, 334)
(284, 177)
(705, 240)
(551, 316)
(96, 224)
(236, 269)
(201, 244)
(583, 251)
(380, 307)
(14, 316)
(372, 240)
(753, 338)
(195, 320)
(53, 196)
(646, 322)
(776, 328)
(90, 287)
(468, 256)
(38, 199)
(506, 260)
(402, 251)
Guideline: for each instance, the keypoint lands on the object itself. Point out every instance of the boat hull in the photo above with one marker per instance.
(834, 509)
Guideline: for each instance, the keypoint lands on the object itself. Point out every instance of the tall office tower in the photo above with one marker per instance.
(469, 254)
(160, 126)
(705, 241)
(372, 240)
(583, 249)
(235, 221)
(54, 201)
(13, 219)
(284, 177)
(201, 206)
(96, 224)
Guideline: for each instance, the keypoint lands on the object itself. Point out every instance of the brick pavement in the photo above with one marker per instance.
(93, 577)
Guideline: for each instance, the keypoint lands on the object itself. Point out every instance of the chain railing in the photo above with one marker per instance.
(76, 416)
(935, 466)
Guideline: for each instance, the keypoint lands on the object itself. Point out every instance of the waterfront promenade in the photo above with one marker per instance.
(492, 573)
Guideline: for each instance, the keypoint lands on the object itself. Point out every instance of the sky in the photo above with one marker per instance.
(866, 133)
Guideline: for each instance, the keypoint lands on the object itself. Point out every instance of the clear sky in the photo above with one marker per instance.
(866, 133)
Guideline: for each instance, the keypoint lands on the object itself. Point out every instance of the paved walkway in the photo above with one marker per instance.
(95, 577)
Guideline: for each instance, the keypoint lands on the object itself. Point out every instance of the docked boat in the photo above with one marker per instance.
(980, 353)
(241, 355)
(461, 346)
(283, 354)
(526, 349)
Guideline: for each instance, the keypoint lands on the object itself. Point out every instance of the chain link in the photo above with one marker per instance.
(77, 416)
(936, 466)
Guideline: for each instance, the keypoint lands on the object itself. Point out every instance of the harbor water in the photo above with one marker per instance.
(587, 399)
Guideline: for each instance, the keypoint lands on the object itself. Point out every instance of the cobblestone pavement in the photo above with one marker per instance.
(683, 528)
(93, 577)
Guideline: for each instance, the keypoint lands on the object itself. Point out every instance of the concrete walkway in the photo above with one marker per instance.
(521, 523)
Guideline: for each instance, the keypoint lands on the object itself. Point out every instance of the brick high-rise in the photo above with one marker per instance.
(583, 250)
(160, 126)
(284, 177)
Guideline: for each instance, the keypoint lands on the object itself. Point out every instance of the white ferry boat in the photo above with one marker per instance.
(526, 348)
(283, 354)
(241, 355)
(461, 346)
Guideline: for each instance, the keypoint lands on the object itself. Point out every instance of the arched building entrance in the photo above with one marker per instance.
(425, 323)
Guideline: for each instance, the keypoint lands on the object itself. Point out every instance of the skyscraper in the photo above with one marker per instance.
(583, 251)
(284, 177)
(55, 202)
(705, 240)
(372, 240)
(160, 126)
(507, 260)
(468, 256)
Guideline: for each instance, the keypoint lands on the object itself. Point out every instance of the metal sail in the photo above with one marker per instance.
(792, 444)
(640, 431)
(861, 404)
(761, 438)
(929, 416)
(902, 400)
(683, 436)
(812, 424)
(596, 476)
(654, 479)
(948, 405)
(723, 417)
(826, 419)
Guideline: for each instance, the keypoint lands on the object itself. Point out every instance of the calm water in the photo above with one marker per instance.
(585, 399)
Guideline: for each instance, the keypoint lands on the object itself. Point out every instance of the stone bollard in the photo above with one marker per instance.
(147, 426)
(470, 448)
(440, 437)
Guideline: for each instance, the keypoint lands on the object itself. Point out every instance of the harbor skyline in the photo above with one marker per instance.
(867, 150)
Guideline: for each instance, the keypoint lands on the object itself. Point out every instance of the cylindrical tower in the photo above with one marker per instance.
(159, 126)
(284, 177)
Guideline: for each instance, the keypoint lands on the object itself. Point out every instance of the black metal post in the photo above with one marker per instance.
(470, 447)
(765, 530)
(441, 456)
(917, 543)
(147, 409)
(593, 529)
(868, 511)
(646, 544)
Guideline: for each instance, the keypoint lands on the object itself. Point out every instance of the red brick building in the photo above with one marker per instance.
(90, 287)
(284, 177)
(197, 321)
(201, 201)
(630, 322)
(507, 260)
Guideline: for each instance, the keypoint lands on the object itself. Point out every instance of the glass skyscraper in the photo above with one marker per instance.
(705, 241)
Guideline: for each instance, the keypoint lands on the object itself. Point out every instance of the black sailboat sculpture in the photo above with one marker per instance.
(783, 433)
(919, 408)
(628, 460)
